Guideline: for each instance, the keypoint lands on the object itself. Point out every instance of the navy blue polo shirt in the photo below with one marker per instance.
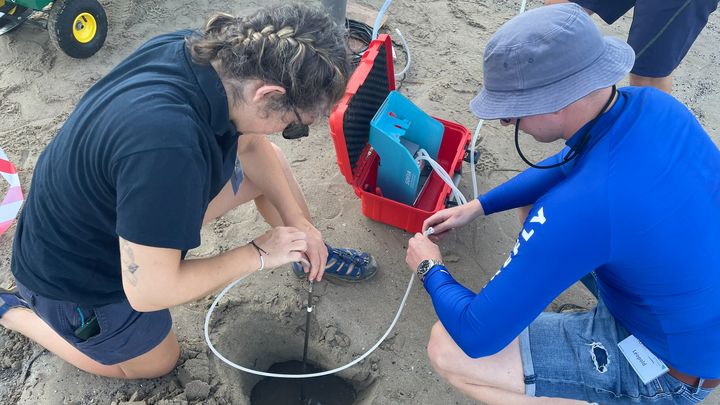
(142, 155)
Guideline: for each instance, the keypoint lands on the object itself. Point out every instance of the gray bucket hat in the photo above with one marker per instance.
(545, 59)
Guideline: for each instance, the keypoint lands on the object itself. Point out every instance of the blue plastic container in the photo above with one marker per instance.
(397, 131)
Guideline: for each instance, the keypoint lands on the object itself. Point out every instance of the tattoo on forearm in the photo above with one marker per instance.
(129, 266)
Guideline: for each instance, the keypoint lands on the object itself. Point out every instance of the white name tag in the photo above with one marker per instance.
(646, 365)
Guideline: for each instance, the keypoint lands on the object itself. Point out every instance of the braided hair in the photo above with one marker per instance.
(293, 46)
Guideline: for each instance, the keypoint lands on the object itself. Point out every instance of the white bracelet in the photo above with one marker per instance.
(260, 252)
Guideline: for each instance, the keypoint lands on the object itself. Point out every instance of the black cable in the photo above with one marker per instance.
(360, 32)
(575, 150)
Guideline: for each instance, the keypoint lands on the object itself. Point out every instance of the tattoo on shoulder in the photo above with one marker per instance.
(129, 267)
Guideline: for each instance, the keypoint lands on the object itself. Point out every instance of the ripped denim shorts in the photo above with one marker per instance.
(575, 356)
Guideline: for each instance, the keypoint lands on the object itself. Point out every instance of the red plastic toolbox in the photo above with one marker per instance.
(368, 87)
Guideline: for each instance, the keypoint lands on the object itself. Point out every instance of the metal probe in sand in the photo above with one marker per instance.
(307, 338)
(307, 326)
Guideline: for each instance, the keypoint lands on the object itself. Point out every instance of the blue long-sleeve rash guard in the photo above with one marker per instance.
(641, 206)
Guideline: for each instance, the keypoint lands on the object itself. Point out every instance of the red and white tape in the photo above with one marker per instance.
(14, 198)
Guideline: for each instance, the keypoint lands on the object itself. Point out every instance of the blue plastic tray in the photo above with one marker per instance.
(397, 125)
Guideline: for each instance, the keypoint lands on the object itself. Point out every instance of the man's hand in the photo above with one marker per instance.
(451, 218)
(419, 249)
(282, 245)
(316, 252)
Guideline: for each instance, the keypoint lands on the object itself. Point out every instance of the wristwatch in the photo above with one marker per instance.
(425, 266)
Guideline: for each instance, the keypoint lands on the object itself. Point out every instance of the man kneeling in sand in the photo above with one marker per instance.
(171, 138)
(631, 206)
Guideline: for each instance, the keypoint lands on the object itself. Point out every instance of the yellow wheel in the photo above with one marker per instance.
(84, 28)
(78, 27)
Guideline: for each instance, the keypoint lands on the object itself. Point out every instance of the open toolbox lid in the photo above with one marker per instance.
(350, 124)
(372, 81)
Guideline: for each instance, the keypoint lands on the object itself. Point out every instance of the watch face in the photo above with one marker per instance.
(424, 266)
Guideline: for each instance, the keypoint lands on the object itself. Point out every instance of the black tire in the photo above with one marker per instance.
(60, 26)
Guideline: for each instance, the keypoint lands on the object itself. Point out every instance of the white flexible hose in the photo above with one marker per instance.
(378, 19)
(277, 375)
(407, 52)
(472, 157)
(423, 155)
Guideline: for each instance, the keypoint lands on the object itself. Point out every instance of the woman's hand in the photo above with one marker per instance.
(316, 254)
(282, 245)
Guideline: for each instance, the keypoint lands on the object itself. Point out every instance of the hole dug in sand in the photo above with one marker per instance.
(324, 390)
(264, 336)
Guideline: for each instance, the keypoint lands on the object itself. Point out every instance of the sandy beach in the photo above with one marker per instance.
(262, 320)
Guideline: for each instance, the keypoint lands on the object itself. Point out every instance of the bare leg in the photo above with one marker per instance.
(662, 83)
(155, 363)
(496, 379)
(227, 200)
(267, 210)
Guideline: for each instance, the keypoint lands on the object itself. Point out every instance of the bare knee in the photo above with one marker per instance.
(158, 362)
(280, 154)
(440, 351)
(283, 161)
(164, 367)
(161, 368)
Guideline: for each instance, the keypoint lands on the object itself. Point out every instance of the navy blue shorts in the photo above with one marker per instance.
(124, 333)
(662, 31)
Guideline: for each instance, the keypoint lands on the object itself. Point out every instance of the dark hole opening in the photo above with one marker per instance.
(325, 390)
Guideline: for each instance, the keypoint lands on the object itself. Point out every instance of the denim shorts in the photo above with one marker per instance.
(124, 333)
(575, 356)
(662, 31)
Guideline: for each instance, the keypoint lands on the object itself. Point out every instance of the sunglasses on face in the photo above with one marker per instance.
(296, 129)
